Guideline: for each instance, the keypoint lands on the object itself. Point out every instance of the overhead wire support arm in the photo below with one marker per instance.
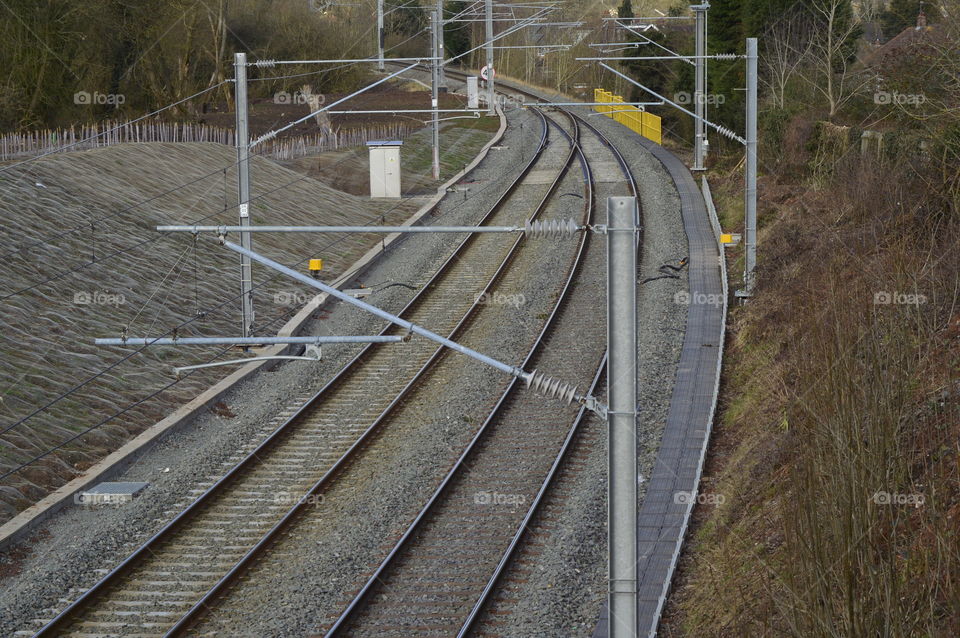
(593, 104)
(247, 341)
(289, 126)
(555, 47)
(528, 22)
(648, 18)
(547, 228)
(648, 40)
(686, 58)
(720, 129)
(391, 111)
(623, 45)
(266, 64)
(535, 380)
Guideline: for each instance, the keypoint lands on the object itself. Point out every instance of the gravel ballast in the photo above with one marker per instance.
(567, 580)
(74, 548)
(329, 553)
(564, 582)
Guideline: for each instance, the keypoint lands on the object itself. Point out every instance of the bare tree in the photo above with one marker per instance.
(786, 47)
(832, 42)
(217, 49)
(316, 101)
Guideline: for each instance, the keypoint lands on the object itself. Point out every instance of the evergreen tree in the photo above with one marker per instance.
(759, 15)
(456, 35)
(726, 31)
(902, 14)
(406, 19)
(650, 72)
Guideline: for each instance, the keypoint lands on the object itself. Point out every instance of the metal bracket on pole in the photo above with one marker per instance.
(622, 238)
(534, 379)
(243, 171)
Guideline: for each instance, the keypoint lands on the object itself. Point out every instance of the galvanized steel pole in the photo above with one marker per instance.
(435, 89)
(699, 92)
(622, 415)
(243, 171)
(750, 195)
(380, 35)
(491, 109)
(440, 50)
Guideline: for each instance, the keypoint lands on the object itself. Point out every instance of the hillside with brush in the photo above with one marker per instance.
(836, 455)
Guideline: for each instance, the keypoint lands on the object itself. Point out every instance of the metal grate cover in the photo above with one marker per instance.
(110, 493)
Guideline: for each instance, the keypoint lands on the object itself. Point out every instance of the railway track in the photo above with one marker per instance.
(440, 574)
(583, 430)
(315, 528)
(162, 586)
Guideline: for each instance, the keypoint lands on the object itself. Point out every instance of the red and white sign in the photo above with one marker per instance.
(484, 72)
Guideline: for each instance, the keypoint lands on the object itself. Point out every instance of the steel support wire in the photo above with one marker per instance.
(534, 379)
(274, 133)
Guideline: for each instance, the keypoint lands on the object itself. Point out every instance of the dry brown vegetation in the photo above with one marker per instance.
(839, 442)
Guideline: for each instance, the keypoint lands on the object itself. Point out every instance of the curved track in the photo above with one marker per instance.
(164, 583)
(438, 577)
(441, 572)
(312, 528)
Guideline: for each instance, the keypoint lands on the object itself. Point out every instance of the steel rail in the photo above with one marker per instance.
(203, 605)
(522, 528)
(359, 600)
(68, 615)
(503, 564)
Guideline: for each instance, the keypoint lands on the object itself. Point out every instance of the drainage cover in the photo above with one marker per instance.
(110, 493)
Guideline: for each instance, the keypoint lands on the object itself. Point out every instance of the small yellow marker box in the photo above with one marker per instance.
(730, 239)
(316, 265)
